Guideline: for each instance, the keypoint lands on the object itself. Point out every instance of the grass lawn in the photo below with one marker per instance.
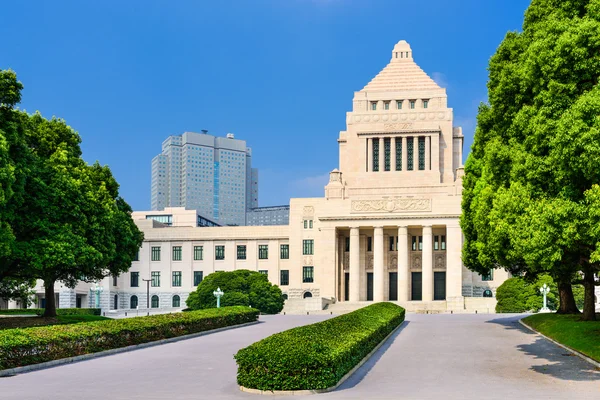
(26, 322)
(569, 331)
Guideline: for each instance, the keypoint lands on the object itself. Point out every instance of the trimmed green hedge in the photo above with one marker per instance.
(59, 311)
(316, 356)
(19, 347)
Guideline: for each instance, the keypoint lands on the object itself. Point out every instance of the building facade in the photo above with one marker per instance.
(213, 175)
(273, 215)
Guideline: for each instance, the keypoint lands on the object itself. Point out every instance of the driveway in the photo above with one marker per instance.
(431, 357)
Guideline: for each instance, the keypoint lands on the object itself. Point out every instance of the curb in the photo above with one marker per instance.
(329, 389)
(575, 352)
(54, 363)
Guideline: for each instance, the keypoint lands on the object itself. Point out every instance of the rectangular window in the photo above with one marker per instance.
(310, 223)
(197, 253)
(307, 274)
(284, 277)
(241, 252)
(414, 243)
(386, 152)
(155, 253)
(176, 253)
(391, 243)
(197, 277)
(347, 247)
(263, 252)
(398, 154)
(134, 279)
(436, 244)
(373, 105)
(412, 104)
(114, 280)
(176, 278)
(305, 224)
(489, 276)
(399, 104)
(137, 256)
(410, 143)
(155, 275)
(308, 247)
(420, 243)
(421, 153)
(375, 155)
(219, 252)
(369, 243)
(443, 244)
(425, 103)
(263, 271)
(386, 105)
(284, 252)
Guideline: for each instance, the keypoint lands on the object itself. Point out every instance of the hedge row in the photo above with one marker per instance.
(59, 311)
(19, 347)
(316, 356)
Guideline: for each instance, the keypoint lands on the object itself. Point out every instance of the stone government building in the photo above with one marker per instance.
(387, 227)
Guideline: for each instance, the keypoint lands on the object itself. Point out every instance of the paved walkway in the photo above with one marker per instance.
(431, 357)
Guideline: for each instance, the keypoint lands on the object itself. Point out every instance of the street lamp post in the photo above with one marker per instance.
(218, 293)
(545, 289)
(147, 292)
(97, 290)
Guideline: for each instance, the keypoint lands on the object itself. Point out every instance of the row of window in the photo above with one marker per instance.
(387, 151)
(308, 224)
(439, 243)
(284, 278)
(399, 103)
(263, 251)
(154, 301)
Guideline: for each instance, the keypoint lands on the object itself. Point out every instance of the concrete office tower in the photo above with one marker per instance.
(213, 175)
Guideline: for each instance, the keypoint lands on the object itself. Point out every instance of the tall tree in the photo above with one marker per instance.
(529, 199)
(70, 224)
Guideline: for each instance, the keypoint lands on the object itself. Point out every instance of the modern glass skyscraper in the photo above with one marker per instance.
(213, 175)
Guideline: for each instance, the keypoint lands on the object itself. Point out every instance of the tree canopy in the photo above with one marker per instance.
(65, 220)
(531, 199)
(241, 287)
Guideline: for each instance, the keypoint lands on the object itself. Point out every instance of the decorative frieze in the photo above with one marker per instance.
(308, 260)
(390, 205)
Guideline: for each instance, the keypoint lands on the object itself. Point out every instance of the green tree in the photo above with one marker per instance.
(531, 201)
(69, 223)
(241, 287)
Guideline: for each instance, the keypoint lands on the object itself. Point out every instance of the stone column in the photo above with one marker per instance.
(342, 266)
(369, 155)
(453, 261)
(427, 153)
(403, 270)
(392, 154)
(427, 264)
(404, 155)
(354, 264)
(378, 269)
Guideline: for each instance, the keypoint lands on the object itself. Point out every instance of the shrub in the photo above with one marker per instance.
(27, 346)
(316, 356)
(59, 311)
(241, 287)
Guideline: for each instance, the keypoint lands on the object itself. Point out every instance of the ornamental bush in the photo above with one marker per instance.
(316, 356)
(59, 311)
(19, 347)
(241, 287)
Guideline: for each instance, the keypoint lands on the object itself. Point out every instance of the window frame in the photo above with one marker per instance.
(176, 279)
(284, 273)
(219, 252)
(137, 279)
(263, 251)
(177, 253)
(308, 274)
(488, 277)
(197, 274)
(155, 253)
(198, 253)
(284, 254)
(241, 252)
(155, 278)
(308, 247)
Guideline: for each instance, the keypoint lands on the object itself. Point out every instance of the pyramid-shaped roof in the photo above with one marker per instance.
(402, 73)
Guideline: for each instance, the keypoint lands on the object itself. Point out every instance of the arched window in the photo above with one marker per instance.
(116, 302)
(285, 296)
(154, 301)
(176, 301)
(307, 295)
(133, 302)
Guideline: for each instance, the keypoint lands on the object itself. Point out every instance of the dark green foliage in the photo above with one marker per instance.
(19, 347)
(35, 320)
(316, 356)
(59, 311)
(517, 295)
(241, 287)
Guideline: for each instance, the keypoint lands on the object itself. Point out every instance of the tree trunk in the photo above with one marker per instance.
(567, 300)
(50, 310)
(589, 308)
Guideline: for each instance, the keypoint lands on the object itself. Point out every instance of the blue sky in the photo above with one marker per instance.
(278, 73)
